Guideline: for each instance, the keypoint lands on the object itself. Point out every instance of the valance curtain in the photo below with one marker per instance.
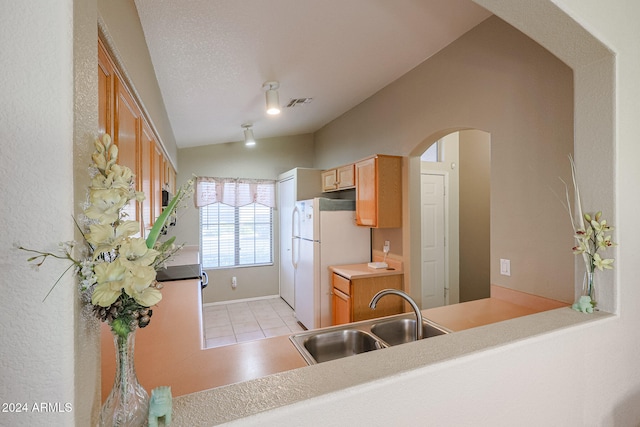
(234, 191)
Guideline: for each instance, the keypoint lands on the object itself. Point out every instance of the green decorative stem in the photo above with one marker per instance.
(162, 220)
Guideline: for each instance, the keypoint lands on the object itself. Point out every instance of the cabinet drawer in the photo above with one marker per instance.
(342, 284)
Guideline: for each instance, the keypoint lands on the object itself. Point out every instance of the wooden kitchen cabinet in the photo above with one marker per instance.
(379, 191)
(351, 297)
(146, 151)
(106, 76)
(127, 137)
(342, 178)
(139, 148)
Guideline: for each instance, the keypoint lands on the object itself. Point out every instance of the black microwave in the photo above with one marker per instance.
(166, 198)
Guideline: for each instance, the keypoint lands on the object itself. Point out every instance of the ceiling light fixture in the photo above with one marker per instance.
(249, 140)
(273, 103)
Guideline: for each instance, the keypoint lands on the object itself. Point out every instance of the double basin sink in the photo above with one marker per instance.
(322, 345)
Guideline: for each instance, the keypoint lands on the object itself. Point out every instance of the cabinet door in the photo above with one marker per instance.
(105, 92)
(147, 144)
(172, 180)
(156, 181)
(366, 193)
(366, 288)
(127, 137)
(346, 177)
(329, 179)
(341, 308)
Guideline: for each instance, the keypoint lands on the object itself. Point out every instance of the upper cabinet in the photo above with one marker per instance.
(139, 148)
(379, 191)
(106, 76)
(342, 178)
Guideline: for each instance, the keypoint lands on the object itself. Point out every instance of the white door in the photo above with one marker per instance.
(286, 199)
(433, 240)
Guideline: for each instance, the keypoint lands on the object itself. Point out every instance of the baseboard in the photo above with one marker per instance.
(207, 304)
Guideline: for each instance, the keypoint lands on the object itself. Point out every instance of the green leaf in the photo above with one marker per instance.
(162, 220)
(120, 326)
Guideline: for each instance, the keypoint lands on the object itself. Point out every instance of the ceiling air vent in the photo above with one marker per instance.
(298, 101)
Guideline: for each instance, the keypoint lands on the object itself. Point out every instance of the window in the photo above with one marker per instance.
(433, 153)
(234, 236)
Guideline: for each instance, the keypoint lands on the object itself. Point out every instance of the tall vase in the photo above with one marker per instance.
(588, 286)
(128, 402)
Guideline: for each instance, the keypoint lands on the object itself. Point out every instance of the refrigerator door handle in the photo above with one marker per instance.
(294, 237)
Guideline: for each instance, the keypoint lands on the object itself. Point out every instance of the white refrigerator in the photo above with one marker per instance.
(324, 233)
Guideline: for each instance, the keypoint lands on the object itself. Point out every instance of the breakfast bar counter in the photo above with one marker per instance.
(170, 350)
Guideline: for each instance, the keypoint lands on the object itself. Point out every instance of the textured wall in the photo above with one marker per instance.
(37, 361)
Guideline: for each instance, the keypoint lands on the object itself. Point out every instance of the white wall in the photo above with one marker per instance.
(48, 353)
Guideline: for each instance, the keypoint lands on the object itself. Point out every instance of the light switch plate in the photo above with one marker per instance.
(505, 267)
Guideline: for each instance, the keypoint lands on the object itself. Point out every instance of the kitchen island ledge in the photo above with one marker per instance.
(479, 325)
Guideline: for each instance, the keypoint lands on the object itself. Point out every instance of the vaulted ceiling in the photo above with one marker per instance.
(212, 57)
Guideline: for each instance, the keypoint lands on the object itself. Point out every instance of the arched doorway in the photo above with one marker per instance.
(455, 199)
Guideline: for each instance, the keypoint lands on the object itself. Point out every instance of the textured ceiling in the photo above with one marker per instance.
(212, 56)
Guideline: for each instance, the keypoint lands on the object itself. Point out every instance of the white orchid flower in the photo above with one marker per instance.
(134, 251)
(110, 277)
(137, 285)
(602, 264)
(105, 204)
(120, 177)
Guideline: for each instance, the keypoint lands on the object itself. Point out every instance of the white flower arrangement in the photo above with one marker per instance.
(590, 230)
(117, 271)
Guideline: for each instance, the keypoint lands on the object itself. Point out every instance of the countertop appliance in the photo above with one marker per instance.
(185, 265)
(183, 272)
(324, 233)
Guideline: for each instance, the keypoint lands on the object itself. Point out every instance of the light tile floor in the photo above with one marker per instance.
(247, 321)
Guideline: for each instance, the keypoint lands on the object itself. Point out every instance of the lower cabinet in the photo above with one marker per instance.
(351, 297)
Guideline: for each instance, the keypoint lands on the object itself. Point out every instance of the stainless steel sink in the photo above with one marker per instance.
(341, 343)
(400, 331)
(335, 342)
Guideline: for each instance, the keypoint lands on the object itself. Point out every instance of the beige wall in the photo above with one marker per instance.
(475, 215)
(267, 159)
(125, 40)
(497, 80)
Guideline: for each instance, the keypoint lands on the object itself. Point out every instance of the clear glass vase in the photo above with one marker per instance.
(128, 402)
(588, 286)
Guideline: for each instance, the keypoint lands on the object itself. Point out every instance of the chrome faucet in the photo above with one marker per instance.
(376, 298)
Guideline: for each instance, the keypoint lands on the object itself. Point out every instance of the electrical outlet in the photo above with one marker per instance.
(385, 248)
(234, 282)
(505, 267)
